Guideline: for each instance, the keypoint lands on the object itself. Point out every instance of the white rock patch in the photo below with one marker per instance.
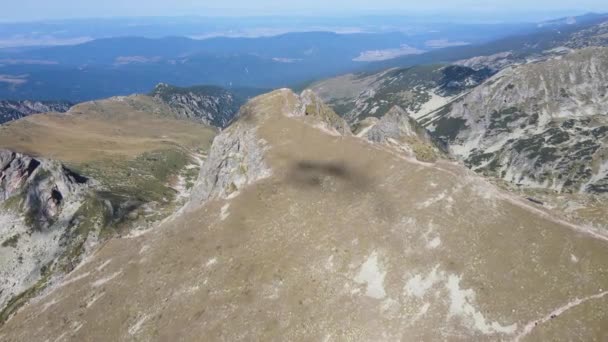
(573, 258)
(136, 327)
(211, 262)
(102, 266)
(432, 200)
(373, 276)
(418, 285)
(460, 301)
(224, 212)
(102, 281)
(436, 242)
(461, 305)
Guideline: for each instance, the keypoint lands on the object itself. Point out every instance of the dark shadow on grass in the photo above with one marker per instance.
(350, 182)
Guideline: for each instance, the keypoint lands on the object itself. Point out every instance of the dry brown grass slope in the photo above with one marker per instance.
(345, 241)
(113, 128)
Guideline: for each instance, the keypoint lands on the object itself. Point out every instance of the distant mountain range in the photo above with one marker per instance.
(548, 35)
(125, 65)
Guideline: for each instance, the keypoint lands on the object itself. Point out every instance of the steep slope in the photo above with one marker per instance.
(541, 124)
(596, 35)
(211, 105)
(396, 128)
(13, 110)
(418, 90)
(298, 234)
(40, 203)
(105, 168)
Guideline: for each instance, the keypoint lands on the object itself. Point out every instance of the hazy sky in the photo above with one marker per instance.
(19, 10)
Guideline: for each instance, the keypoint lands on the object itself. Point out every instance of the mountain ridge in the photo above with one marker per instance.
(14, 110)
(338, 233)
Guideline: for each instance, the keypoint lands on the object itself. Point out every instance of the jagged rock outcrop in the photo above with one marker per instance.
(397, 128)
(13, 110)
(213, 106)
(541, 124)
(39, 201)
(45, 186)
(311, 105)
(235, 160)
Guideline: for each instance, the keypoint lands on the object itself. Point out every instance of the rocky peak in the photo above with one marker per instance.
(44, 186)
(213, 106)
(397, 128)
(312, 106)
(39, 202)
(235, 160)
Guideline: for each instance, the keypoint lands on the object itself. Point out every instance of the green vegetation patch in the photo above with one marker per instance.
(500, 120)
(143, 179)
(448, 128)
(12, 241)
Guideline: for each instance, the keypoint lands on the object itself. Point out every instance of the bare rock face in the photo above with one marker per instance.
(15, 170)
(417, 90)
(395, 125)
(13, 110)
(495, 61)
(541, 125)
(311, 105)
(235, 160)
(397, 128)
(39, 200)
(45, 186)
(213, 106)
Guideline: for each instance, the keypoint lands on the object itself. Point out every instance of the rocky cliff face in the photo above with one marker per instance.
(13, 110)
(213, 106)
(234, 161)
(398, 129)
(39, 204)
(417, 90)
(45, 186)
(236, 158)
(541, 124)
(312, 106)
